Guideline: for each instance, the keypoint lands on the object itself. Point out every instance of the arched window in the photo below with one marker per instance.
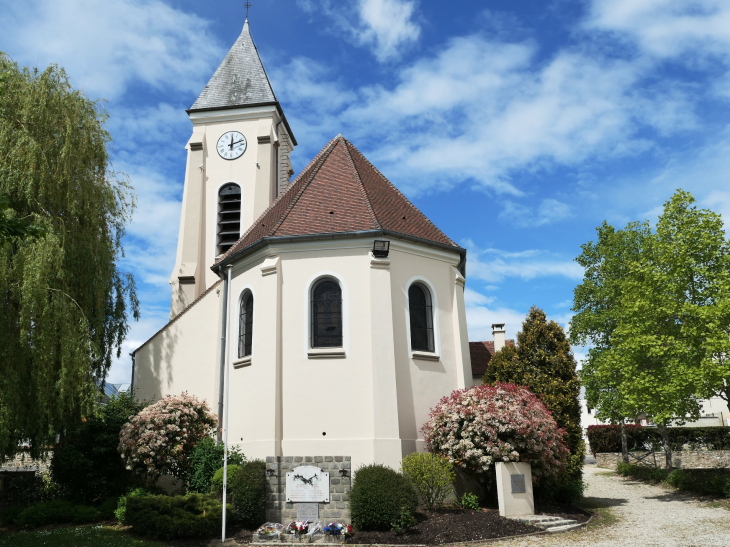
(229, 216)
(421, 313)
(327, 314)
(245, 325)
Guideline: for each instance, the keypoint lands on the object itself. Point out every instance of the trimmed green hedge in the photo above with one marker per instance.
(170, 517)
(641, 472)
(714, 482)
(379, 498)
(607, 438)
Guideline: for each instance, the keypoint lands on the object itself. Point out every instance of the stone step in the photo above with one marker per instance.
(557, 524)
(565, 528)
(548, 523)
(536, 519)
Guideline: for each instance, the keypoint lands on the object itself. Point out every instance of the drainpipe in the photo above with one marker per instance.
(131, 385)
(224, 317)
(228, 388)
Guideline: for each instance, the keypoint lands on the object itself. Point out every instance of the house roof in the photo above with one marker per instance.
(339, 192)
(481, 353)
(240, 80)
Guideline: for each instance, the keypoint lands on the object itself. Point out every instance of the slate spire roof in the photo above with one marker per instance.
(340, 192)
(240, 80)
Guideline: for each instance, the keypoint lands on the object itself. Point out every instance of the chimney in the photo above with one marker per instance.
(498, 334)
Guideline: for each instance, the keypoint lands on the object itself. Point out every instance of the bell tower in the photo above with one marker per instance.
(238, 163)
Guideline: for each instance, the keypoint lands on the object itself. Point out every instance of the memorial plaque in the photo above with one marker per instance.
(308, 511)
(307, 484)
(518, 484)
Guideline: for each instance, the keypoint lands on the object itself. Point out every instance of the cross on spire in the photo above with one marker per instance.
(247, 5)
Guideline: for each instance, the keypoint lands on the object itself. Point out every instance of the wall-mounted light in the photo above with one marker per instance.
(343, 472)
(270, 472)
(381, 248)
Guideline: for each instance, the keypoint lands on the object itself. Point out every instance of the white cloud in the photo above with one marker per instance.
(385, 26)
(667, 28)
(106, 46)
(493, 265)
(388, 25)
(479, 111)
(548, 211)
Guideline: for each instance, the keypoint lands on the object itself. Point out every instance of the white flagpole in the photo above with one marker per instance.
(225, 419)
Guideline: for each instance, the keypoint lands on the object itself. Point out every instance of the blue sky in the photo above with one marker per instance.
(517, 127)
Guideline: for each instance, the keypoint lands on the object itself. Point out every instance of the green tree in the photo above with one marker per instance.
(86, 461)
(543, 361)
(669, 313)
(64, 304)
(597, 299)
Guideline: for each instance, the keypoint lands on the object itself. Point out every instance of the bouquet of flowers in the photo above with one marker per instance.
(269, 531)
(337, 529)
(298, 527)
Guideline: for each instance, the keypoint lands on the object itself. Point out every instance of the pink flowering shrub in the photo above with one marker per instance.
(159, 440)
(477, 427)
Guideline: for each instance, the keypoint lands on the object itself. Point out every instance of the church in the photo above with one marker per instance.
(327, 310)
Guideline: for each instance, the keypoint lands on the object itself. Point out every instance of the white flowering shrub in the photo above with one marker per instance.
(477, 427)
(159, 440)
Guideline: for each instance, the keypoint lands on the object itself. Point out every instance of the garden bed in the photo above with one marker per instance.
(452, 526)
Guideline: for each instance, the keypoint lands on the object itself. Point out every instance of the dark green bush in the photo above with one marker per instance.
(120, 511)
(29, 488)
(713, 482)
(205, 460)
(57, 512)
(379, 496)
(169, 517)
(248, 493)
(216, 485)
(567, 491)
(9, 513)
(86, 464)
(607, 438)
(641, 472)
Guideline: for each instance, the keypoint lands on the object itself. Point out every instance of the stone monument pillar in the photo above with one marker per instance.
(514, 489)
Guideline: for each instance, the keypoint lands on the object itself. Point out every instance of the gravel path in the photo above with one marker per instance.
(649, 516)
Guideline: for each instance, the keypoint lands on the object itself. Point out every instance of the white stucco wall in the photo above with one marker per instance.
(371, 402)
(182, 356)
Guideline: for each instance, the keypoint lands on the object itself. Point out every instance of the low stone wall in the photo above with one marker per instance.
(338, 509)
(682, 459)
(22, 463)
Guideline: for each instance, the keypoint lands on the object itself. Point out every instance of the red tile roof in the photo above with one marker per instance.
(340, 191)
(481, 353)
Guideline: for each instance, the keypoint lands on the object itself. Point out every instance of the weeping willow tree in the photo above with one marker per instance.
(64, 304)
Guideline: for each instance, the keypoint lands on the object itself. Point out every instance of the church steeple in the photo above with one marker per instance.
(240, 80)
(227, 189)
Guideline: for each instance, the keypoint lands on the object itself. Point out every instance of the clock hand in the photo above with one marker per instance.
(231, 145)
(239, 141)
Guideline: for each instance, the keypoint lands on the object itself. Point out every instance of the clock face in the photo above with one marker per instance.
(231, 145)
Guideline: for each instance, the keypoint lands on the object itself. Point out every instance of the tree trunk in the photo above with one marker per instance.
(624, 442)
(667, 446)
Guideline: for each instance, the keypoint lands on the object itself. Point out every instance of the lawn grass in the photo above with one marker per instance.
(75, 536)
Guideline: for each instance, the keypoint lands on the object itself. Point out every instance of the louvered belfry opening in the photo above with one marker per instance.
(229, 216)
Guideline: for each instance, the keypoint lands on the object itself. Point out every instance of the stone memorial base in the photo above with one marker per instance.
(514, 489)
(337, 509)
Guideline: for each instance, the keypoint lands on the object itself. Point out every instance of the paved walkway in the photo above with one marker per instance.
(649, 516)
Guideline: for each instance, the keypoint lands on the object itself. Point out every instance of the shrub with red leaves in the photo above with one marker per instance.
(477, 427)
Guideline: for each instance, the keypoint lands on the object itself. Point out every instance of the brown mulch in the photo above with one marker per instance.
(457, 525)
